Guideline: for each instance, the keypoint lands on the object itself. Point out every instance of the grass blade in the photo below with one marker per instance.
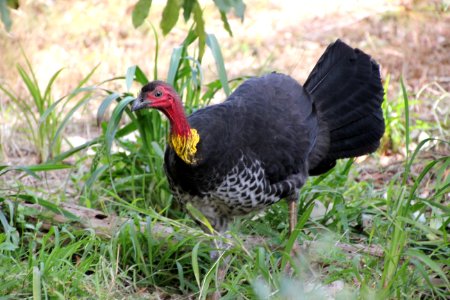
(33, 88)
(129, 77)
(429, 263)
(195, 267)
(155, 64)
(174, 64)
(50, 84)
(37, 293)
(66, 119)
(407, 135)
(104, 106)
(213, 44)
(114, 122)
(30, 170)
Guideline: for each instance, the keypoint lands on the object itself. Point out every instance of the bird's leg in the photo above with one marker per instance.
(292, 200)
(292, 215)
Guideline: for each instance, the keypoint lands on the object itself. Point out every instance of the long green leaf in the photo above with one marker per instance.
(48, 205)
(86, 78)
(155, 61)
(104, 106)
(407, 135)
(53, 106)
(139, 75)
(199, 29)
(37, 293)
(174, 64)
(94, 176)
(226, 25)
(187, 9)
(66, 119)
(68, 153)
(213, 44)
(32, 169)
(129, 77)
(114, 122)
(33, 88)
(195, 267)
(429, 262)
(50, 83)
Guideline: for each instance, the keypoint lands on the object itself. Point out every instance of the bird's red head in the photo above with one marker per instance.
(161, 96)
(156, 94)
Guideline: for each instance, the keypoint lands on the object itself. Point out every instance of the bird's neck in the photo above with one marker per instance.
(183, 139)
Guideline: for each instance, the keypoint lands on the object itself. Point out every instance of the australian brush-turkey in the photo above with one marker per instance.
(262, 143)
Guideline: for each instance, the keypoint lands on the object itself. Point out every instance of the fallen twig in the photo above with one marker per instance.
(106, 226)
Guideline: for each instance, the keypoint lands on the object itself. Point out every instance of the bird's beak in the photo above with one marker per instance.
(138, 104)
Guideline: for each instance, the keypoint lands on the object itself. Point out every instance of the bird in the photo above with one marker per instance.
(262, 143)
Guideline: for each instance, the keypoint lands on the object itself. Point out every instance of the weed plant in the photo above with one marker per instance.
(406, 215)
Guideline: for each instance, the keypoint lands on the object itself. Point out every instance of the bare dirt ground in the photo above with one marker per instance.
(408, 38)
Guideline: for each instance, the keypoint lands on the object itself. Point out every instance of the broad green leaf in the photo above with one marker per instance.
(170, 16)
(134, 73)
(187, 8)
(139, 76)
(140, 12)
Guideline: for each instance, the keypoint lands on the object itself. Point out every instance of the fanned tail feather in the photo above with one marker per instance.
(347, 92)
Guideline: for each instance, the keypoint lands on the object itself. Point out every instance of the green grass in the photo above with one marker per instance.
(44, 115)
(406, 214)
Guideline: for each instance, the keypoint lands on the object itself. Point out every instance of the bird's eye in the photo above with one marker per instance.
(158, 93)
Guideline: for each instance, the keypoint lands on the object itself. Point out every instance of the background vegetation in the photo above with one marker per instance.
(70, 144)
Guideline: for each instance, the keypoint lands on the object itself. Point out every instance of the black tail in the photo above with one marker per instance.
(346, 89)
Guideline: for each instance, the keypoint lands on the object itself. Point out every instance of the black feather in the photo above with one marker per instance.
(346, 89)
(276, 133)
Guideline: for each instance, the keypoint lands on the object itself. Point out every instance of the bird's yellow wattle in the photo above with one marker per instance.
(186, 146)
